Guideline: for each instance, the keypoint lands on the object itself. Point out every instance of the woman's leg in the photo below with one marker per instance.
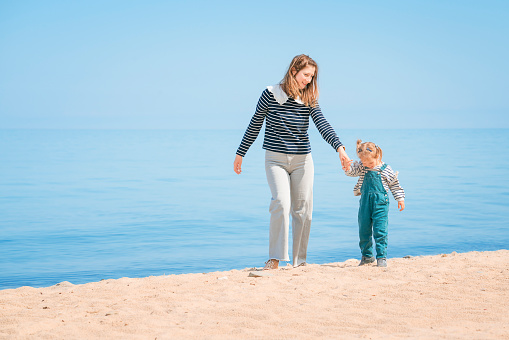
(279, 183)
(301, 188)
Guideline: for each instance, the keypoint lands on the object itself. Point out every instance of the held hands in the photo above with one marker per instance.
(345, 160)
(347, 164)
(401, 205)
(237, 164)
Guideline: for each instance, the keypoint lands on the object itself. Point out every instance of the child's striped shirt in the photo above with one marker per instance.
(389, 179)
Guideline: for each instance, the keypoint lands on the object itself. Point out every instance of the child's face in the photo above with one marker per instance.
(370, 162)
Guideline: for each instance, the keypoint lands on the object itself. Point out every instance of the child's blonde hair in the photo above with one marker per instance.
(308, 95)
(368, 150)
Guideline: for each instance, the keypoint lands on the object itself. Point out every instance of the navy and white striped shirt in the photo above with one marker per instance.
(286, 127)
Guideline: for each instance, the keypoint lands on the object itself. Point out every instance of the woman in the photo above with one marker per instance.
(286, 107)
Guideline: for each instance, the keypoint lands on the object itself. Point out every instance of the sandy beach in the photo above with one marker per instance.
(445, 296)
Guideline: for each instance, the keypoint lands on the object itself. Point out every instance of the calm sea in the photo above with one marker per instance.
(86, 205)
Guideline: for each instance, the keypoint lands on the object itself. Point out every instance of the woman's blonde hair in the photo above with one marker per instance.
(368, 150)
(308, 95)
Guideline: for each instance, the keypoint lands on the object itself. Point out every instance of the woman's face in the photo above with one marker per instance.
(305, 76)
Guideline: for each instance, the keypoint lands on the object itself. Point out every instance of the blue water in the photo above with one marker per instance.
(86, 205)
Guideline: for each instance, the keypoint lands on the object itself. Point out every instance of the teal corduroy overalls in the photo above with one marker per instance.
(373, 214)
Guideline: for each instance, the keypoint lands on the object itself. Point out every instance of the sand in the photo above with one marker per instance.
(447, 296)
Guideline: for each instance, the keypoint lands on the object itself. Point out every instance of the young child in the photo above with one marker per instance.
(375, 179)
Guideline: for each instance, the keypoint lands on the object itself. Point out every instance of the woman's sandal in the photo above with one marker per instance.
(271, 264)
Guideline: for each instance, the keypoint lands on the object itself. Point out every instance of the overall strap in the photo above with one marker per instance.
(383, 167)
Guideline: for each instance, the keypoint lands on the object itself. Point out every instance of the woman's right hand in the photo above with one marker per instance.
(237, 164)
(345, 160)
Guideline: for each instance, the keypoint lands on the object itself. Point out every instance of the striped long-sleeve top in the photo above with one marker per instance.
(389, 179)
(287, 123)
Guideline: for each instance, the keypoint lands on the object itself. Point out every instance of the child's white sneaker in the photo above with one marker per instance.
(382, 262)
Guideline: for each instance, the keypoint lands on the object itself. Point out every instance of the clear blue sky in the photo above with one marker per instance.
(204, 64)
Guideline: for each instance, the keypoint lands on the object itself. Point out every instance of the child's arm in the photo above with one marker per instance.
(395, 187)
(355, 169)
(397, 190)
